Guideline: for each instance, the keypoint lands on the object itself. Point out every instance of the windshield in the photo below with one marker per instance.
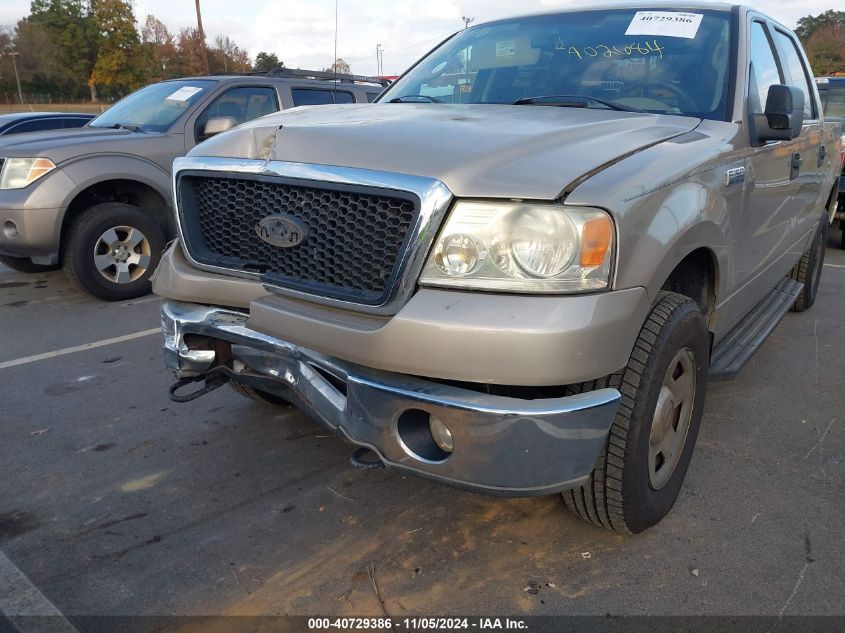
(156, 107)
(833, 101)
(656, 61)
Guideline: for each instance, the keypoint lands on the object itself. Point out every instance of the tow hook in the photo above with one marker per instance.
(213, 379)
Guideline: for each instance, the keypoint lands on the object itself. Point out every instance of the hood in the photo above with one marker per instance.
(499, 151)
(59, 145)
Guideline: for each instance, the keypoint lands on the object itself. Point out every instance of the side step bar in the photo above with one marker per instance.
(749, 334)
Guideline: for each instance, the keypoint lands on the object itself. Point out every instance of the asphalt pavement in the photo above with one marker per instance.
(116, 501)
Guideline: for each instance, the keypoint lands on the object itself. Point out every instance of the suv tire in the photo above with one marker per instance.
(25, 265)
(112, 250)
(808, 269)
(639, 474)
(259, 396)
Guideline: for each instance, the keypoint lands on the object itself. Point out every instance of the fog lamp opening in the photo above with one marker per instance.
(424, 436)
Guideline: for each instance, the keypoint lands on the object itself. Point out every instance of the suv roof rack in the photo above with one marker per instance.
(281, 71)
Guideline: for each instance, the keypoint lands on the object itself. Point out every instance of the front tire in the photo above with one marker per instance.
(639, 474)
(112, 251)
(25, 265)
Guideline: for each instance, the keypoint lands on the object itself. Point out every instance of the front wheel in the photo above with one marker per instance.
(25, 265)
(639, 474)
(112, 251)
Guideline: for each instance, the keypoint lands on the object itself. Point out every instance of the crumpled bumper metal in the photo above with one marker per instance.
(502, 445)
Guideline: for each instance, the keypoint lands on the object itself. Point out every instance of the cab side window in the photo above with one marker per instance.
(796, 74)
(242, 104)
(318, 96)
(764, 67)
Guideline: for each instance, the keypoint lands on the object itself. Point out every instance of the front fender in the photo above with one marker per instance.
(87, 171)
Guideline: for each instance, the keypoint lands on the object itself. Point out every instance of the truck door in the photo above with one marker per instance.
(767, 223)
(810, 180)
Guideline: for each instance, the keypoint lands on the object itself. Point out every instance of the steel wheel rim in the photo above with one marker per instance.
(122, 254)
(672, 417)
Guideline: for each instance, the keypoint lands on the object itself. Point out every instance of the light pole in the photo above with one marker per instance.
(467, 21)
(202, 38)
(378, 60)
(12, 54)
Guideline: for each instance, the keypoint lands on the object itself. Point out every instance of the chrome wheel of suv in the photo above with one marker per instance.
(122, 254)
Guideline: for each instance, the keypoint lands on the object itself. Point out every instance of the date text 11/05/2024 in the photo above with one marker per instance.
(416, 624)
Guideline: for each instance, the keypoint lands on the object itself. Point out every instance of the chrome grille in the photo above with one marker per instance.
(355, 236)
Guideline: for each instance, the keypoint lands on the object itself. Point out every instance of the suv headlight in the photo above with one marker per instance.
(17, 173)
(522, 247)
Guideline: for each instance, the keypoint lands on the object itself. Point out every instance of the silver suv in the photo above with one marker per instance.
(564, 225)
(96, 200)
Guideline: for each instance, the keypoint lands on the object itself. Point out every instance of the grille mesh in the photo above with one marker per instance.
(353, 239)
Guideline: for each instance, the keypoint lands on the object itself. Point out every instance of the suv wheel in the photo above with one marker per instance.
(112, 251)
(25, 265)
(638, 476)
(808, 269)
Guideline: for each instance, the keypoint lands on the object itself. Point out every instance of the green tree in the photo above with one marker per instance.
(118, 65)
(811, 24)
(57, 45)
(266, 61)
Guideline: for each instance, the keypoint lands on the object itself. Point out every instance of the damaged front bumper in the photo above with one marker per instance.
(501, 445)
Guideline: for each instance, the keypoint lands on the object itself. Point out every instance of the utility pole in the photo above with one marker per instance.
(467, 21)
(378, 60)
(202, 38)
(12, 54)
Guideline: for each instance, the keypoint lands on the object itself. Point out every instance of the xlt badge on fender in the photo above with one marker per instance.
(281, 230)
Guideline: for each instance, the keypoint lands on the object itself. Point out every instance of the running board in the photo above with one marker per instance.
(749, 334)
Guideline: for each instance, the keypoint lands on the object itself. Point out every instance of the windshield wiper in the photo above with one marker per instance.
(572, 101)
(415, 99)
(123, 126)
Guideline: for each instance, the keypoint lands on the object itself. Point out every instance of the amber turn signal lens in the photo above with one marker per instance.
(596, 239)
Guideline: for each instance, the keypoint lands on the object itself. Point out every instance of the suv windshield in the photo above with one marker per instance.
(154, 108)
(655, 61)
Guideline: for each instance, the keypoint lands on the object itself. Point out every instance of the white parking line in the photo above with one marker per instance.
(77, 348)
(835, 265)
(27, 608)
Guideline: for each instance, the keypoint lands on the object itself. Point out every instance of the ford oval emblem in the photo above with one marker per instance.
(281, 230)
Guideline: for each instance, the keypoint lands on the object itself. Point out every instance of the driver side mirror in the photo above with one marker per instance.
(783, 116)
(217, 125)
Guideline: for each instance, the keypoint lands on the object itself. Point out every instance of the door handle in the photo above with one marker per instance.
(822, 154)
(795, 165)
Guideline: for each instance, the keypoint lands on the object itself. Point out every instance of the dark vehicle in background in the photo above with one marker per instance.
(96, 200)
(20, 122)
(832, 94)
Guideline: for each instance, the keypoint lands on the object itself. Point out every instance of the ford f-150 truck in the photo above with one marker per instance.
(517, 270)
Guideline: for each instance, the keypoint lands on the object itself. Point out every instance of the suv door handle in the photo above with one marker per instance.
(795, 165)
(822, 154)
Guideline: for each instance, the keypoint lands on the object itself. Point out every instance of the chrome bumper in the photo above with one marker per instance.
(502, 445)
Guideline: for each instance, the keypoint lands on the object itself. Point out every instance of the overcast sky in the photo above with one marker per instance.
(301, 32)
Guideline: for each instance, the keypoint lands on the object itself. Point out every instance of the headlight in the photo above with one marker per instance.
(520, 247)
(17, 173)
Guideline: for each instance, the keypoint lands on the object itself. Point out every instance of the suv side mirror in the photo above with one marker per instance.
(783, 117)
(217, 125)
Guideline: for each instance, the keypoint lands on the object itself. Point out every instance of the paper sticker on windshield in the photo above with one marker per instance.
(665, 23)
(506, 48)
(184, 93)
